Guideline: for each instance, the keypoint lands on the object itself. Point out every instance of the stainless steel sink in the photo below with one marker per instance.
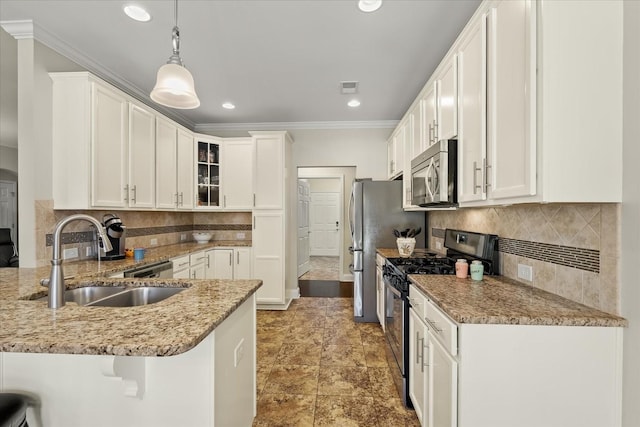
(84, 296)
(117, 296)
(136, 296)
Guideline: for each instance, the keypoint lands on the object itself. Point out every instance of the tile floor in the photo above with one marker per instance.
(317, 367)
(323, 268)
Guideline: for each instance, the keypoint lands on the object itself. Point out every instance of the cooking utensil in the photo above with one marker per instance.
(396, 233)
(417, 231)
(411, 232)
(404, 233)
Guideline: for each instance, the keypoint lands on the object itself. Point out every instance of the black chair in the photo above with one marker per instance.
(8, 252)
(13, 410)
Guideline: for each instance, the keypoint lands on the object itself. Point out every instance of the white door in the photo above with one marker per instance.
(166, 172)
(325, 224)
(304, 200)
(237, 174)
(444, 385)
(8, 208)
(242, 267)
(142, 160)
(268, 256)
(184, 164)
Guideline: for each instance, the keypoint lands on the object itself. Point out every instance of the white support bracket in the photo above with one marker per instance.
(131, 370)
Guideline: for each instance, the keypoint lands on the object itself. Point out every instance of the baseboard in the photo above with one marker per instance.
(293, 293)
(346, 277)
(280, 307)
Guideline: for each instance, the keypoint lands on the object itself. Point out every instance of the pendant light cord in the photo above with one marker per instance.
(175, 39)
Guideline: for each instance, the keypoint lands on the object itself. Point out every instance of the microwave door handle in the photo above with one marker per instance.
(428, 185)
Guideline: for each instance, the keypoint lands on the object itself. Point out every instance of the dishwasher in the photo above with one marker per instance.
(161, 270)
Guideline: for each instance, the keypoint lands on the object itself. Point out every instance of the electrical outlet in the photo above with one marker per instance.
(183, 237)
(70, 253)
(525, 272)
(238, 353)
(240, 236)
(153, 242)
(88, 251)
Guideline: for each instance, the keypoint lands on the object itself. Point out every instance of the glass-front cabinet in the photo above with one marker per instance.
(208, 172)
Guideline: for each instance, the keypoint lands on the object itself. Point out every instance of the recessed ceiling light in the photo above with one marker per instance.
(369, 5)
(353, 103)
(228, 106)
(137, 13)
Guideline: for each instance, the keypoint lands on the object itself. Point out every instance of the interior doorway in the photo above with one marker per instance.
(9, 208)
(323, 195)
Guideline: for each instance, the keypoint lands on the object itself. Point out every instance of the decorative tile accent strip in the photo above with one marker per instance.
(582, 259)
(88, 236)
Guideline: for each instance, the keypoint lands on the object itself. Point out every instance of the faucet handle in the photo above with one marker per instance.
(44, 282)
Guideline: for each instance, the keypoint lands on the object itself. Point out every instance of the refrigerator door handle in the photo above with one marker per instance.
(358, 294)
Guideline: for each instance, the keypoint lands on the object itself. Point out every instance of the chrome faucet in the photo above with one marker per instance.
(56, 279)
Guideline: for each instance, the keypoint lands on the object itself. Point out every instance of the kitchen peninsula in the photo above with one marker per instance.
(186, 360)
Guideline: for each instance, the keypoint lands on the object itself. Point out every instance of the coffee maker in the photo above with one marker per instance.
(116, 232)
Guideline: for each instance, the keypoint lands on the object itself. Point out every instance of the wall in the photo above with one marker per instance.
(8, 95)
(630, 289)
(9, 159)
(574, 249)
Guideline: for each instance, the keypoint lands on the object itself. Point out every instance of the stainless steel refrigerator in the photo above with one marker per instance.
(375, 210)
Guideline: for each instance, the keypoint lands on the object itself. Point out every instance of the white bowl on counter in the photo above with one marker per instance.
(202, 237)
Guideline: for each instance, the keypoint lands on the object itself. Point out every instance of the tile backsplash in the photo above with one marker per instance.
(574, 249)
(165, 227)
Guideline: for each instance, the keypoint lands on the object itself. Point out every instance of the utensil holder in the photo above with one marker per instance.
(406, 245)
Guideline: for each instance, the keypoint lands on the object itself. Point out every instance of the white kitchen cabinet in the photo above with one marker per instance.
(269, 171)
(443, 384)
(184, 165)
(166, 165)
(395, 151)
(430, 116)
(413, 147)
(242, 268)
(198, 265)
(174, 166)
(472, 112)
(274, 235)
(268, 256)
(447, 117)
(219, 264)
(237, 174)
(181, 267)
(142, 160)
(419, 367)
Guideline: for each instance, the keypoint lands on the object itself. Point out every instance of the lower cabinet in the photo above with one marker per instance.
(504, 375)
(228, 263)
(268, 255)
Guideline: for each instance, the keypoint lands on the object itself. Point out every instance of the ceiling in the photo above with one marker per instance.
(277, 61)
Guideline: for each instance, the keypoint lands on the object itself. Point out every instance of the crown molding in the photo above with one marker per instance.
(373, 124)
(18, 29)
(52, 41)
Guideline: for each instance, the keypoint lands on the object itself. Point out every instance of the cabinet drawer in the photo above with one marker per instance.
(181, 262)
(441, 327)
(197, 258)
(418, 301)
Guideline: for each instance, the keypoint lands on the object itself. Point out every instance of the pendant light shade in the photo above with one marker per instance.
(174, 83)
(175, 88)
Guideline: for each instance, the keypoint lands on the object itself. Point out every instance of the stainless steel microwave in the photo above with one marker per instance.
(434, 175)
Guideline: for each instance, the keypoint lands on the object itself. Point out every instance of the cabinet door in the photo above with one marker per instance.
(443, 395)
(391, 152)
(430, 115)
(219, 264)
(242, 267)
(380, 296)
(268, 181)
(237, 174)
(448, 100)
(182, 274)
(198, 271)
(472, 113)
(142, 160)
(185, 190)
(108, 148)
(398, 147)
(166, 190)
(418, 367)
(268, 256)
(511, 164)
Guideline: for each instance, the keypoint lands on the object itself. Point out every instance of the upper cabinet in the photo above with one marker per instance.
(237, 174)
(208, 150)
(269, 169)
(516, 90)
(174, 166)
(142, 159)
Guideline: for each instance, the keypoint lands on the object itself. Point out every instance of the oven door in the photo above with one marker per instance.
(394, 323)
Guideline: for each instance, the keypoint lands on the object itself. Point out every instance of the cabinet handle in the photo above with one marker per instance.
(208, 261)
(475, 180)
(485, 176)
(417, 346)
(435, 131)
(181, 198)
(238, 258)
(254, 222)
(135, 194)
(433, 323)
(230, 258)
(224, 201)
(424, 359)
(254, 199)
(126, 193)
(420, 346)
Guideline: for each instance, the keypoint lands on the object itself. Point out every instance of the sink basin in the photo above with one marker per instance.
(84, 296)
(136, 296)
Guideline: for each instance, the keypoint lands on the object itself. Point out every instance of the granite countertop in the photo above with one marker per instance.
(166, 328)
(499, 300)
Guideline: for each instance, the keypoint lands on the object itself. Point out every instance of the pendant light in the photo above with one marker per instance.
(174, 85)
